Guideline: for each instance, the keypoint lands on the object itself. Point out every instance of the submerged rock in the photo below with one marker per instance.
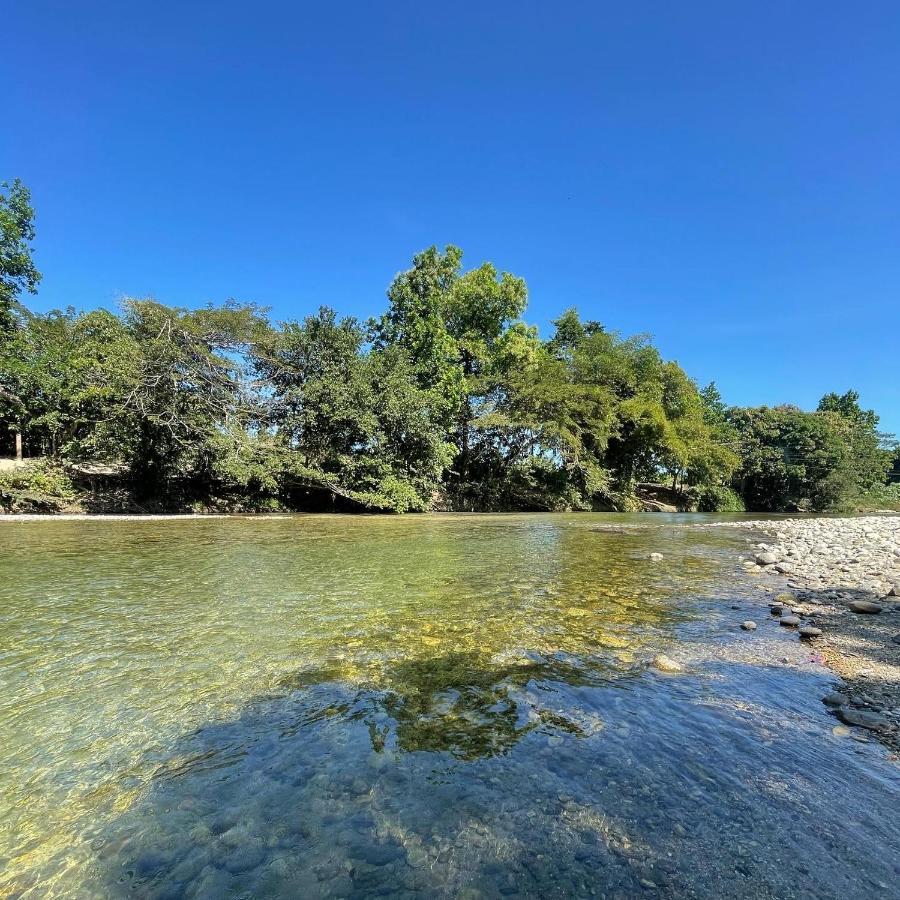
(656, 557)
(666, 664)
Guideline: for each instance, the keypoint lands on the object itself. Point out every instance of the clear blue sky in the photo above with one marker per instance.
(724, 176)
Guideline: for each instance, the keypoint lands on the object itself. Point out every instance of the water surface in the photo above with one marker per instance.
(418, 706)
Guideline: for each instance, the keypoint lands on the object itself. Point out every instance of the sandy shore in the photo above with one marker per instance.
(843, 578)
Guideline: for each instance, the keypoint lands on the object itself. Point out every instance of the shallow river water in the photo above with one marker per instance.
(420, 706)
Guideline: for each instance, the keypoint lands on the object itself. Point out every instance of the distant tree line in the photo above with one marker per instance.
(448, 400)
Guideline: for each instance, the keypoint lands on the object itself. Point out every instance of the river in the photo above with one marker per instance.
(419, 706)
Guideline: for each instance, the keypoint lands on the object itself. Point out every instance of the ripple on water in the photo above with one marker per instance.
(453, 706)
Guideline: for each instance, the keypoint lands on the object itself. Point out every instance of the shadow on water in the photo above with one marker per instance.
(540, 777)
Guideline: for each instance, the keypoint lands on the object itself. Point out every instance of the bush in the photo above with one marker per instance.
(886, 496)
(711, 498)
(38, 486)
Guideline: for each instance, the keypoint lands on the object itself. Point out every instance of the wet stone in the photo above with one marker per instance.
(863, 718)
(748, 626)
(789, 621)
(835, 698)
(810, 631)
(864, 606)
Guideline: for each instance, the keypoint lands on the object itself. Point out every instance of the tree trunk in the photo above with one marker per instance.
(18, 445)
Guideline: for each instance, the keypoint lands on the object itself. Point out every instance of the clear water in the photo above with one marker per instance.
(422, 706)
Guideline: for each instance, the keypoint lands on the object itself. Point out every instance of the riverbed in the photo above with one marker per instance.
(423, 706)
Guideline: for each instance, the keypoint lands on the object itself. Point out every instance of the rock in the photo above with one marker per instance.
(810, 631)
(864, 606)
(789, 621)
(748, 626)
(895, 590)
(785, 568)
(785, 597)
(863, 718)
(766, 558)
(666, 664)
(779, 610)
(836, 698)
(656, 557)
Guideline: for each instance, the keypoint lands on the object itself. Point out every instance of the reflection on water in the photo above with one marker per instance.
(426, 706)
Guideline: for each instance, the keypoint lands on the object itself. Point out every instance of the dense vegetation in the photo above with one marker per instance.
(448, 400)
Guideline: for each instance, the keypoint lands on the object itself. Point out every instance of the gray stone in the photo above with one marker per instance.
(835, 698)
(864, 606)
(656, 557)
(785, 568)
(748, 626)
(766, 558)
(810, 631)
(863, 718)
(895, 590)
(789, 621)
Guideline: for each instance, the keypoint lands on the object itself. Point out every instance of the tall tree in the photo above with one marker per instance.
(17, 274)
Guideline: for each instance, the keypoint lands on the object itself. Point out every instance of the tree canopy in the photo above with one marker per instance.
(447, 400)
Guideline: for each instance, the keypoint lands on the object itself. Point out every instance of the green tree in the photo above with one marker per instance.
(869, 460)
(791, 459)
(17, 274)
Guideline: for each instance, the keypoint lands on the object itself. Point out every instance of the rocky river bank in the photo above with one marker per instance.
(843, 598)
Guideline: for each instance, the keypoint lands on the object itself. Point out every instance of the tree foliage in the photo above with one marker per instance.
(447, 400)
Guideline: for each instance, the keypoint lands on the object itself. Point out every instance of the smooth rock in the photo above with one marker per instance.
(835, 698)
(666, 664)
(789, 621)
(748, 626)
(863, 718)
(864, 606)
(766, 558)
(779, 610)
(785, 568)
(810, 631)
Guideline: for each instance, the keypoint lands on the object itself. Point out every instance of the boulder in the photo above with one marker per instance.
(656, 557)
(766, 558)
(789, 621)
(810, 631)
(748, 626)
(863, 718)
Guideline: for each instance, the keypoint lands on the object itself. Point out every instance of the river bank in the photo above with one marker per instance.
(843, 598)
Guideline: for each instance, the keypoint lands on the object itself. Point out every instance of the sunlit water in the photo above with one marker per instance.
(419, 706)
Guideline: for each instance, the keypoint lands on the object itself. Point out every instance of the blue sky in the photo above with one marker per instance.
(723, 176)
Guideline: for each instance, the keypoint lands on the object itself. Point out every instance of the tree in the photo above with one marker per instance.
(791, 459)
(17, 270)
(17, 274)
(869, 460)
